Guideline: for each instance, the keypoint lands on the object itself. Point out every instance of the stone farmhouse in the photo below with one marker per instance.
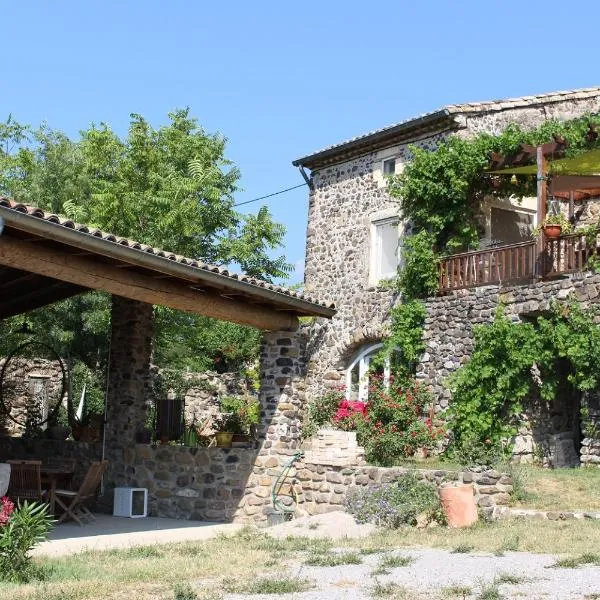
(354, 238)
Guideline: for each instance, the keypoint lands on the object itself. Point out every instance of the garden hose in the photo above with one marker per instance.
(275, 492)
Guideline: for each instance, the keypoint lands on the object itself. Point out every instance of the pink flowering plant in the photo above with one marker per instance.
(398, 420)
(6, 509)
(395, 422)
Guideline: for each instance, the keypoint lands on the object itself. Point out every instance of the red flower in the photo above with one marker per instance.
(6, 509)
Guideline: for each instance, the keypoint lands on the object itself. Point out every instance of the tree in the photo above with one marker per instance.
(170, 187)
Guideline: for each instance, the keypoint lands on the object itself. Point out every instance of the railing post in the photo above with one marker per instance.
(541, 211)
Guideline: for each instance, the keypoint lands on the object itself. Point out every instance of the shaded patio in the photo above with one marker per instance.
(45, 258)
(121, 533)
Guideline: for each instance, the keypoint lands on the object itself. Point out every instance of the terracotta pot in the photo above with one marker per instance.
(224, 439)
(552, 232)
(87, 434)
(459, 505)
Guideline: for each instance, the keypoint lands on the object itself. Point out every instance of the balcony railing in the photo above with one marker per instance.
(516, 262)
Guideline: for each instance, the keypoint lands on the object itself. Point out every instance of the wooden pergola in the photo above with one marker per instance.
(45, 258)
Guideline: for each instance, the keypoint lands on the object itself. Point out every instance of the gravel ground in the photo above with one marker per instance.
(433, 572)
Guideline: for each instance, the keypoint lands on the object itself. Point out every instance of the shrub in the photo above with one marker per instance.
(395, 504)
(321, 411)
(396, 425)
(21, 528)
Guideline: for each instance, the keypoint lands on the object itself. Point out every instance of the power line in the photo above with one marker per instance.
(270, 195)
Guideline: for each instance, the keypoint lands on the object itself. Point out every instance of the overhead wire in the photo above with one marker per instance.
(271, 195)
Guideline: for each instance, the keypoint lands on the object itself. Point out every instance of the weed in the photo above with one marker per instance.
(281, 585)
(314, 525)
(334, 559)
(572, 562)
(456, 591)
(184, 591)
(372, 550)
(387, 590)
(462, 549)
(509, 578)
(509, 544)
(490, 592)
(392, 562)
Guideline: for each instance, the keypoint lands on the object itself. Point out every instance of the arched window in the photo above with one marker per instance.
(357, 373)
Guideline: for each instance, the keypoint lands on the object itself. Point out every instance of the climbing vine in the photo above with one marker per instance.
(513, 363)
(440, 192)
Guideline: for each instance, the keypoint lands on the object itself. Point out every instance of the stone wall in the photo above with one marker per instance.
(323, 488)
(27, 381)
(346, 199)
(202, 400)
(547, 431)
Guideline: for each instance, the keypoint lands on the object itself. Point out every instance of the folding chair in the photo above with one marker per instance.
(25, 480)
(74, 503)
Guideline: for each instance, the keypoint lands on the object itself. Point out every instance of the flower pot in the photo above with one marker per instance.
(459, 505)
(224, 439)
(83, 433)
(4, 478)
(552, 232)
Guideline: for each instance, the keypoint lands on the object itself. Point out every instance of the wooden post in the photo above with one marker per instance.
(542, 192)
(571, 205)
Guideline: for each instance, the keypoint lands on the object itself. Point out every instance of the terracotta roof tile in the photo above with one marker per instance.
(34, 211)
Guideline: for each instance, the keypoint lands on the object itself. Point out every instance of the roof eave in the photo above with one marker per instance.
(85, 241)
(439, 120)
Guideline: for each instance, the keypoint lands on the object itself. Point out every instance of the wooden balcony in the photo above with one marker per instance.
(516, 263)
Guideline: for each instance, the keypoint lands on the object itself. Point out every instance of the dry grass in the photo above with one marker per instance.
(545, 537)
(151, 573)
(561, 489)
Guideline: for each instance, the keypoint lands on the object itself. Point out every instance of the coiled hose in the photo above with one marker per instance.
(276, 490)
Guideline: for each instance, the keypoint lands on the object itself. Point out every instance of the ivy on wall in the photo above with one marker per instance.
(440, 192)
(513, 363)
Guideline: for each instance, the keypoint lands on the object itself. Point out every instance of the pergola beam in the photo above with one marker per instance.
(96, 275)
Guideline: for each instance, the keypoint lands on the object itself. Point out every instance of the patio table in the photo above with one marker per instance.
(51, 475)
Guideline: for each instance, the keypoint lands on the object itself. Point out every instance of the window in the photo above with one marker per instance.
(357, 374)
(384, 250)
(389, 166)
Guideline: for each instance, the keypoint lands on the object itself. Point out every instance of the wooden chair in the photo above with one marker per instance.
(74, 503)
(25, 480)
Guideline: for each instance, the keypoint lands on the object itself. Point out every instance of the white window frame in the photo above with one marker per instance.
(375, 276)
(363, 359)
(385, 160)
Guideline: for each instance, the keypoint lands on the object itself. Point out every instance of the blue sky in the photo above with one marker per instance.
(282, 79)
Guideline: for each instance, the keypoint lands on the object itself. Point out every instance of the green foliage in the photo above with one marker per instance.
(396, 424)
(513, 363)
(320, 412)
(28, 525)
(94, 382)
(404, 347)
(419, 277)
(440, 192)
(394, 504)
(170, 187)
(245, 408)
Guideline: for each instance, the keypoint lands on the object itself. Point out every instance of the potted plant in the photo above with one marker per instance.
(554, 226)
(247, 408)
(226, 426)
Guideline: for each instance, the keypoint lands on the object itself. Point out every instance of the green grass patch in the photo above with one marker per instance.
(333, 559)
(572, 562)
(462, 549)
(392, 561)
(268, 585)
(389, 590)
(490, 592)
(456, 591)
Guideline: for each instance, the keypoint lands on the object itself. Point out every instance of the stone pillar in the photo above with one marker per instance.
(128, 383)
(282, 397)
(282, 394)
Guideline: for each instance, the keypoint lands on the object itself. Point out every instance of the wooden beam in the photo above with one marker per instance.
(135, 286)
(41, 296)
